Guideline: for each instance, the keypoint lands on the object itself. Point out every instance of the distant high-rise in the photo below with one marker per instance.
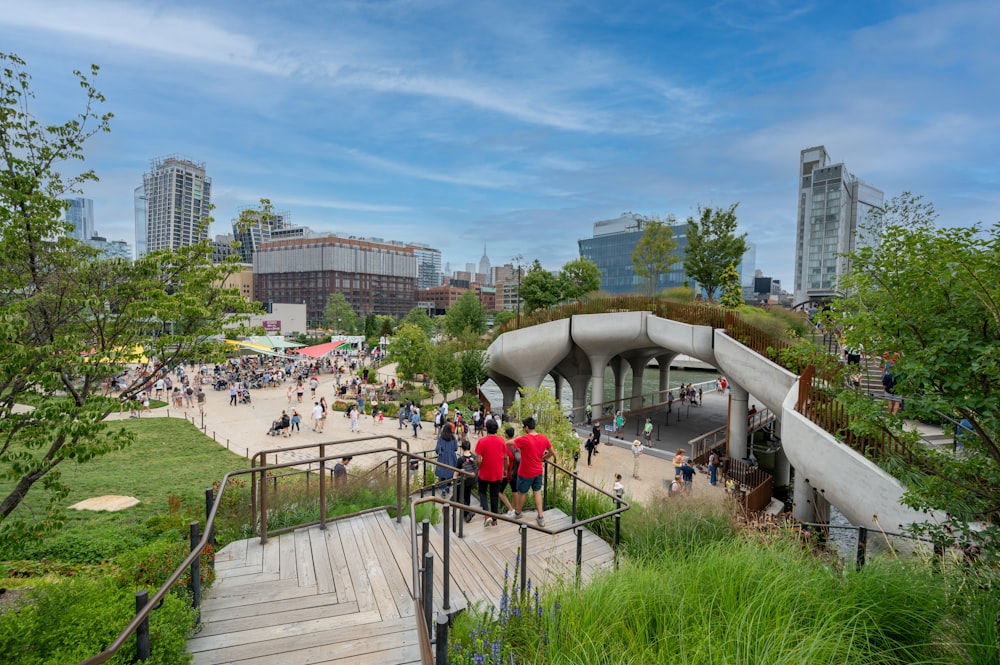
(254, 229)
(428, 266)
(178, 197)
(484, 264)
(833, 207)
(81, 215)
(140, 221)
(611, 250)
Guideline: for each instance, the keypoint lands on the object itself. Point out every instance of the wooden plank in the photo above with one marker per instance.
(273, 606)
(287, 563)
(398, 588)
(272, 618)
(356, 570)
(303, 559)
(272, 556)
(338, 563)
(251, 595)
(255, 552)
(263, 582)
(234, 551)
(277, 640)
(376, 576)
(236, 572)
(321, 562)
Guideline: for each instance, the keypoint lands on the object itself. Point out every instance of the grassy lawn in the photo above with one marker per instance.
(170, 458)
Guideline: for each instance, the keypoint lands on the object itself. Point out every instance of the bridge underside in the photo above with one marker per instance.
(579, 349)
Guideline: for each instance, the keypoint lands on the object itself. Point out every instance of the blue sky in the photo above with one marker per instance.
(519, 124)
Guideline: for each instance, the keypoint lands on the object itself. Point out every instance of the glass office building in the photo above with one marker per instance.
(611, 250)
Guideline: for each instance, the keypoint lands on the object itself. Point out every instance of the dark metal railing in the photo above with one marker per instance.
(436, 628)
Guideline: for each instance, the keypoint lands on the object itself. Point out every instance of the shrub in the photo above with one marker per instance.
(74, 619)
(150, 566)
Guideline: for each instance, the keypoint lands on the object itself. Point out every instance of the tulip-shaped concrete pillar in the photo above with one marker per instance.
(803, 508)
(618, 365)
(663, 361)
(738, 400)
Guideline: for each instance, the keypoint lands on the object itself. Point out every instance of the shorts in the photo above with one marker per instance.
(525, 484)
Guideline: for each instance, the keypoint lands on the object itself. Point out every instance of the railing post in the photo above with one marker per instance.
(524, 557)
(441, 640)
(253, 494)
(573, 515)
(427, 591)
(263, 506)
(400, 470)
(425, 538)
(446, 559)
(618, 533)
(142, 632)
(195, 572)
(322, 487)
(862, 547)
(209, 501)
(579, 556)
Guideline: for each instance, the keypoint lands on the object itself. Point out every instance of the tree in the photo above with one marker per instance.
(712, 244)
(927, 299)
(550, 420)
(467, 314)
(444, 368)
(473, 368)
(339, 315)
(418, 317)
(655, 253)
(502, 317)
(579, 278)
(411, 350)
(69, 323)
(732, 291)
(540, 288)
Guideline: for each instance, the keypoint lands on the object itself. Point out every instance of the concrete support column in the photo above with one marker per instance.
(737, 439)
(508, 389)
(578, 384)
(802, 508)
(782, 469)
(557, 380)
(663, 362)
(597, 366)
(638, 366)
(618, 365)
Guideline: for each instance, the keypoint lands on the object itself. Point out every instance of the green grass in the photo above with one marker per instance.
(170, 457)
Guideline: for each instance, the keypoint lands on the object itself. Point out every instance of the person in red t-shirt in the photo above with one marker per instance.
(535, 449)
(491, 452)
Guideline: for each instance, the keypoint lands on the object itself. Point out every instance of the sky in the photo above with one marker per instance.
(516, 125)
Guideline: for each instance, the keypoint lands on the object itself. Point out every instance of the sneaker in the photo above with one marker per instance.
(510, 513)
(517, 516)
(540, 520)
(487, 522)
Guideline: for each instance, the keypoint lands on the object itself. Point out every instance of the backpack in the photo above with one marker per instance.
(517, 459)
(469, 464)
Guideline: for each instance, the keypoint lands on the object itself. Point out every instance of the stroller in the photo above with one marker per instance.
(245, 397)
(221, 384)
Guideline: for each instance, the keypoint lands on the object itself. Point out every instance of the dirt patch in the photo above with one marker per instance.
(110, 503)
(12, 599)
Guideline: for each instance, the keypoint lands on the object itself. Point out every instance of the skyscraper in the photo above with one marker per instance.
(178, 200)
(251, 229)
(140, 221)
(834, 206)
(81, 215)
(484, 265)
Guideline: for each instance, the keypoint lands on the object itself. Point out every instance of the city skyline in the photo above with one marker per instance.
(454, 124)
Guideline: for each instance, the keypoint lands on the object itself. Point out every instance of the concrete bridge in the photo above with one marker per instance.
(577, 350)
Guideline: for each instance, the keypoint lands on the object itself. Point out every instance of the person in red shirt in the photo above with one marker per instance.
(491, 452)
(535, 449)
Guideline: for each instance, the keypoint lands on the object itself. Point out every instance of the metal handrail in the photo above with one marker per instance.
(423, 613)
(207, 536)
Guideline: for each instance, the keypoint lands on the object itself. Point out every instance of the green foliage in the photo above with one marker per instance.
(549, 419)
(411, 350)
(732, 292)
(927, 298)
(472, 365)
(578, 278)
(655, 252)
(418, 317)
(69, 321)
(445, 368)
(712, 244)
(339, 315)
(540, 288)
(150, 566)
(502, 317)
(465, 316)
(682, 293)
(72, 620)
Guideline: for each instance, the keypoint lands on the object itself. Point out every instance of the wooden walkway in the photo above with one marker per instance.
(343, 595)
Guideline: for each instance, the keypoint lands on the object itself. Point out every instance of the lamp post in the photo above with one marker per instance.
(517, 261)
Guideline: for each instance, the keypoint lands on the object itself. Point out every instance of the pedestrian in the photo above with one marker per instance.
(340, 472)
(404, 415)
(596, 433)
(467, 463)
(355, 423)
(299, 390)
(647, 431)
(313, 385)
(619, 423)
(415, 419)
(189, 396)
(232, 394)
(446, 451)
(687, 473)
(323, 415)
(894, 401)
(636, 454)
(619, 487)
(491, 455)
(296, 419)
(713, 467)
(678, 461)
(289, 393)
(317, 415)
(201, 401)
(590, 445)
(145, 404)
(512, 461)
(590, 413)
(535, 449)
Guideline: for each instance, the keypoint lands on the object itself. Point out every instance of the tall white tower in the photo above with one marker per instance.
(178, 198)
